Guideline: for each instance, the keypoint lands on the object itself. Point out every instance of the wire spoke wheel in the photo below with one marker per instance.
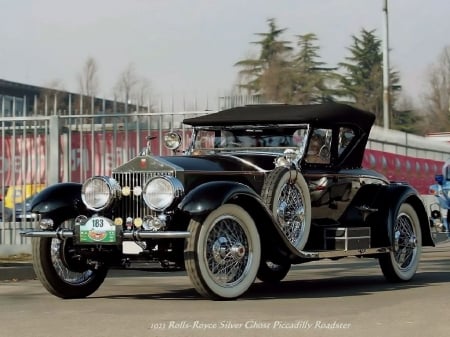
(402, 262)
(223, 254)
(291, 213)
(227, 251)
(286, 193)
(64, 272)
(407, 241)
(61, 271)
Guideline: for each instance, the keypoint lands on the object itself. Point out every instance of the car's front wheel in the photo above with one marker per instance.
(223, 254)
(401, 263)
(62, 272)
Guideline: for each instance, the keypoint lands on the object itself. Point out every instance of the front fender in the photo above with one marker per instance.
(206, 197)
(59, 202)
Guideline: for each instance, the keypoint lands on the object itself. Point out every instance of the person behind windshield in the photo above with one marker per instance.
(315, 150)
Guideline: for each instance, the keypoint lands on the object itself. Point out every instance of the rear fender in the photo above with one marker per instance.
(414, 200)
(59, 202)
(387, 199)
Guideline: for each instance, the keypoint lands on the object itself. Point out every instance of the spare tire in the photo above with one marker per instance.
(286, 194)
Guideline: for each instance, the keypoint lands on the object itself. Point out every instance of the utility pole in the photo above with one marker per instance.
(386, 81)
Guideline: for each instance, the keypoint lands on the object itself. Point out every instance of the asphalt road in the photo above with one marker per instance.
(348, 297)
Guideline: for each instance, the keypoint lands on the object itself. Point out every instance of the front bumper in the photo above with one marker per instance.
(128, 235)
(99, 230)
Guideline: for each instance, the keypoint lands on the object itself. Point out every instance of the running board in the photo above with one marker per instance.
(345, 253)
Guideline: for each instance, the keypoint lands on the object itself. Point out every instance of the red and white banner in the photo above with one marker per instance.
(24, 158)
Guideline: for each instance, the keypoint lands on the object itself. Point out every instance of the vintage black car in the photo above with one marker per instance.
(260, 188)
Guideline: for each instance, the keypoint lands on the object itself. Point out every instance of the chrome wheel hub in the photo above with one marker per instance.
(223, 250)
(227, 252)
(238, 251)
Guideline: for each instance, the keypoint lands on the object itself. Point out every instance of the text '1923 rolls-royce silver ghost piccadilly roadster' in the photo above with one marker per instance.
(260, 188)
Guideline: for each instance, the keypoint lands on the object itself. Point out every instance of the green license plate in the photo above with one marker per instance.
(98, 230)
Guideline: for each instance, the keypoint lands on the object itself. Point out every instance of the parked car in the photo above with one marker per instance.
(439, 208)
(16, 205)
(259, 188)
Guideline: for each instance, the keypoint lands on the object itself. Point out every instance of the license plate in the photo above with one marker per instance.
(98, 230)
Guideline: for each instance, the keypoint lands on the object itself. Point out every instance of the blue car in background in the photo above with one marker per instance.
(20, 212)
(441, 190)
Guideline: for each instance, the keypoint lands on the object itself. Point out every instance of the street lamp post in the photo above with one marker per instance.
(386, 82)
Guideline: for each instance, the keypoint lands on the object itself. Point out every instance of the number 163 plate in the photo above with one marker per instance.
(98, 230)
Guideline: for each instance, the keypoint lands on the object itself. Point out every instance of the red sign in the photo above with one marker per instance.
(24, 158)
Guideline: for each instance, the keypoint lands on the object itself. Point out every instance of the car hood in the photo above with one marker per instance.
(247, 168)
(229, 162)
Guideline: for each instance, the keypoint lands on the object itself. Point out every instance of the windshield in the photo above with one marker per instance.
(249, 139)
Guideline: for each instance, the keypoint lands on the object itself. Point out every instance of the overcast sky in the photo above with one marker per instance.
(187, 48)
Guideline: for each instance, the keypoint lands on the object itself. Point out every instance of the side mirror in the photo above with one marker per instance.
(439, 179)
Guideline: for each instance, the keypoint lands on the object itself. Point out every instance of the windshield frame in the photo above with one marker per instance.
(252, 133)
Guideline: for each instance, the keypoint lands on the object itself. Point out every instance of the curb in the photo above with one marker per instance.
(15, 271)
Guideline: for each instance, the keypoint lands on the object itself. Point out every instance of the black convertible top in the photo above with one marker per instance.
(323, 114)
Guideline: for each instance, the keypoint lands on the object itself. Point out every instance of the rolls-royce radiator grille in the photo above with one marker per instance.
(133, 205)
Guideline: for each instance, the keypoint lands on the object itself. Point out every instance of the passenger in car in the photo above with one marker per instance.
(316, 151)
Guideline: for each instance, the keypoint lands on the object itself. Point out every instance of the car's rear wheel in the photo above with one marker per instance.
(401, 264)
(222, 255)
(272, 272)
(286, 193)
(61, 271)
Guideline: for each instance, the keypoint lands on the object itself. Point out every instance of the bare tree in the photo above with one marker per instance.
(125, 85)
(88, 79)
(142, 94)
(51, 99)
(437, 98)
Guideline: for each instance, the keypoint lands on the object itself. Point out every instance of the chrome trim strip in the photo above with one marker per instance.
(58, 234)
(343, 253)
(139, 235)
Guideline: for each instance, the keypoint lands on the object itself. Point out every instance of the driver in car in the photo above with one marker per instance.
(317, 150)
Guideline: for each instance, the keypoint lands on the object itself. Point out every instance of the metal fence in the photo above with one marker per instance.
(51, 146)
(54, 146)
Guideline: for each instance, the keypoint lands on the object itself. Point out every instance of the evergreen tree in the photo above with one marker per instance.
(362, 83)
(406, 121)
(309, 76)
(267, 75)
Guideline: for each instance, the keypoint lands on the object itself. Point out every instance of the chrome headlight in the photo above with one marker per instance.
(98, 193)
(161, 192)
(172, 140)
